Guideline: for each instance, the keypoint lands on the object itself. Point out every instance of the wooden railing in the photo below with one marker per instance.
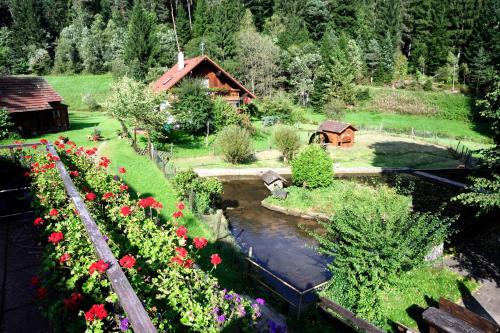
(138, 316)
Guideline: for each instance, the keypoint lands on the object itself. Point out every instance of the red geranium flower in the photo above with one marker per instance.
(56, 237)
(34, 146)
(127, 261)
(96, 311)
(90, 196)
(73, 301)
(41, 292)
(188, 263)
(26, 174)
(177, 214)
(53, 212)
(44, 141)
(65, 257)
(182, 232)
(181, 206)
(28, 157)
(99, 266)
(38, 221)
(123, 187)
(35, 281)
(108, 195)
(181, 252)
(126, 211)
(74, 173)
(215, 259)
(200, 243)
(90, 152)
(177, 260)
(122, 170)
(146, 202)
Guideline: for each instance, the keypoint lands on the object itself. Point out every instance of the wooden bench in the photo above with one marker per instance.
(453, 318)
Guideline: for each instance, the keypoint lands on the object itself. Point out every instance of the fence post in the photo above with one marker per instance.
(218, 227)
(191, 200)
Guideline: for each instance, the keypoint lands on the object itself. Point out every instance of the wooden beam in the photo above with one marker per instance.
(347, 316)
(139, 319)
(468, 316)
(441, 321)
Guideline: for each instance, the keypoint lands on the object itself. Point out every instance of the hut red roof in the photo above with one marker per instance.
(26, 93)
(335, 126)
(174, 75)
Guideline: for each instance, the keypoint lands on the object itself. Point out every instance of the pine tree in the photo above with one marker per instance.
(316, 17)
(294, 33)
(141, 46)
(26, 24)
(373, 56)
(261, 11)
(385, 68)
(182, 25)
(344, 16)
(201, 15)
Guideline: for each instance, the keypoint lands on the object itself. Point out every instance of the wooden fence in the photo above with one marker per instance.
(131, 304)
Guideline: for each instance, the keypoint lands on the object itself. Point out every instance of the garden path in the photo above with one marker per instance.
(479, 258)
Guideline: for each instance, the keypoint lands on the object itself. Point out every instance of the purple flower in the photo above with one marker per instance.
(116, 178)
(124, 324)
(260, 301)
(237, 298)
(105, 237)
(241, 311)
(221, 318)
(228, 297)
(216, 310)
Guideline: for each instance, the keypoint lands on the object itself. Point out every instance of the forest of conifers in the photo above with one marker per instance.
(315, 49)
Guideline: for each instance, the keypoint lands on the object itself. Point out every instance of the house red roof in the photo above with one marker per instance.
(26, 93)
(334, 126)
(174, 75)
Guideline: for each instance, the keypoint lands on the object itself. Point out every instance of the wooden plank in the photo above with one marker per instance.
(442, 321)
(139, 319)
(439, 179)
(468, 316)
(17, 145)
(348, 317)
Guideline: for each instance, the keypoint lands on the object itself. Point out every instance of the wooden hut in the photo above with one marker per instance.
(35, 107)
(272, 180)
(215, 78)
(334, 133)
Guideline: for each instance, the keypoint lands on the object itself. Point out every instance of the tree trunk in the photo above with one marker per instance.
(189, 14)
(175, 28)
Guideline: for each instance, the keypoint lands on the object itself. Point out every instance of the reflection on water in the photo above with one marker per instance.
(277, 242)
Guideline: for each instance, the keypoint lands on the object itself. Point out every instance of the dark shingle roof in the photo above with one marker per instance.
(26, 93)
(335, 126)
(270, 177)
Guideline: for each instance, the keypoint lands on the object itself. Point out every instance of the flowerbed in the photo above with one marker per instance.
(157, 256)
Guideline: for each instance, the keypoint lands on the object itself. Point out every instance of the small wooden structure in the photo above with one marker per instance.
(453, 318)
(334, 133)
(272, 180)
(35, 107)
(216, 79)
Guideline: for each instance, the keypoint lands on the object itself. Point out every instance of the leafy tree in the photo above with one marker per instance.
(167, 50)
(312, 168)
(224, 114)
(141, 43)
(6, 50)
(258, 57)
(133, 101)
(115, 36)
(39, 62)
(301, 71)
(287, 141)
(67, 57)
(193, 107)
(93, 46)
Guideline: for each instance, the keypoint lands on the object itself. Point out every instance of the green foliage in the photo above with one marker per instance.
(334, 109)
(224, 114)
(312, 168)
(281, 106)
(39, 62)
(183, 183)
(373, 242)
(287, 141)
(193, 108)
(234, 144)
(141, 43)
(5, 124)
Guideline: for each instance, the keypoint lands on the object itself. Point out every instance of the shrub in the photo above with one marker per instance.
(234, 144)
(279, 105)
(5, 124)
(334, 109)
(428, 85)
(118, 68)
(270, 120)
(312, 168)
(39, 62)
(287, 141)
(90, 102)
(224, 114)
(193, 108)
(183, 183)
(373, 242)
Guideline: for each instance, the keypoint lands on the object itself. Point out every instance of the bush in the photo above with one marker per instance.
(287, 141)
(234, 144)
(183, 183)
(279, 105)
(312, 168)
(39, 62)
(118, 68)
(224, 114)
(270, 120)
(5, 124)
(374, 242)
(334, 109)
(428, 85)
(90, 102)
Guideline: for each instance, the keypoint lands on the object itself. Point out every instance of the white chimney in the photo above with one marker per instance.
(180, 61)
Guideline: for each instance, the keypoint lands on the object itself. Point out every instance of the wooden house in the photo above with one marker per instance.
(34, 106)
(215, 78)
(334, 133)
